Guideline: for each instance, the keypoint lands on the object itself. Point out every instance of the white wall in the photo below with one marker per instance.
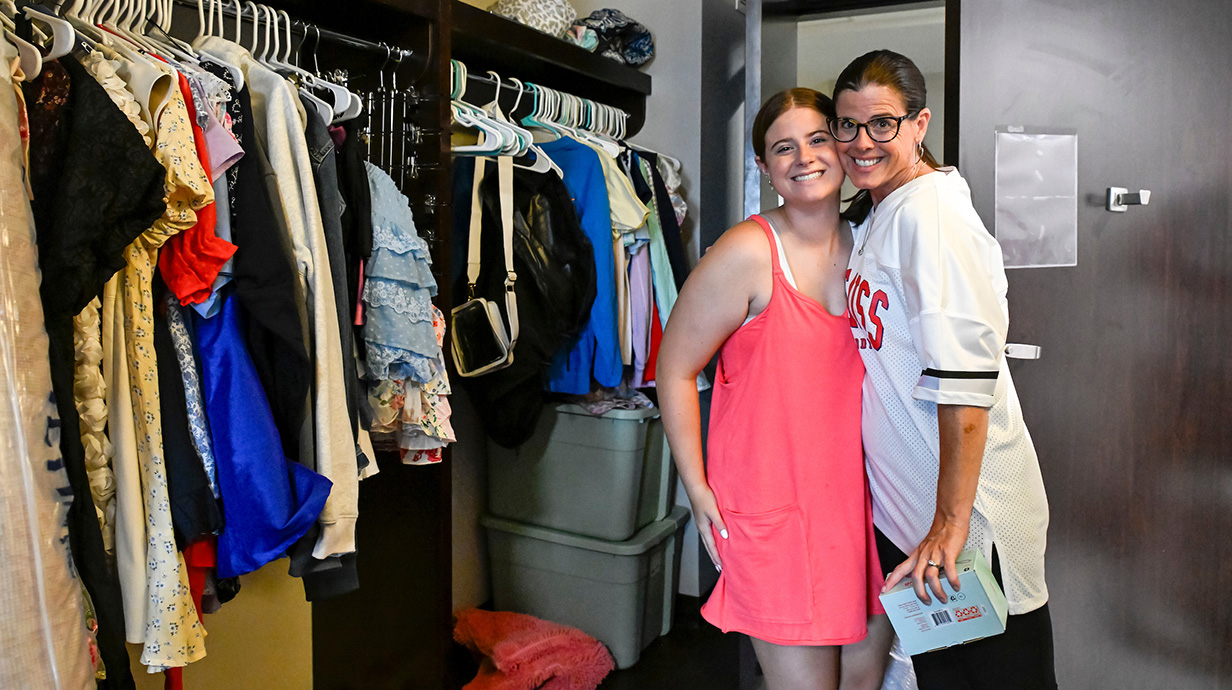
(673, 110)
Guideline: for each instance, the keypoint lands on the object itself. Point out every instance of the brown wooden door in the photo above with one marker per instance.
(1131, 406)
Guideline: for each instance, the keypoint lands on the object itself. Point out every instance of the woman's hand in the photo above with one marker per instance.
(706, 515)
(941, 545)
(963, 432)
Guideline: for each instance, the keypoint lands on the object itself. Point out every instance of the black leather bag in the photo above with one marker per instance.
(555, 289)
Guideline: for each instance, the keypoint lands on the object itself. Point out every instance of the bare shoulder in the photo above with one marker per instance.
(742, 246)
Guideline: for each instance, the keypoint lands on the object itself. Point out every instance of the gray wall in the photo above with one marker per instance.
(722, 118)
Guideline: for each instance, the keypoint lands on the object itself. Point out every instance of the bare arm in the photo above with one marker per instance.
(713, 304)
(964, 431)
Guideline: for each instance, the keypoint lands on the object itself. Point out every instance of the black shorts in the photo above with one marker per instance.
(1019, 659)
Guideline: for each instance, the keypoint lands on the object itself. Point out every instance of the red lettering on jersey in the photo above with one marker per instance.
(879, 299)
(851, 309)
(860, 303)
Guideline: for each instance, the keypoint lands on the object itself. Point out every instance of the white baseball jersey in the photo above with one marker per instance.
(926, 294)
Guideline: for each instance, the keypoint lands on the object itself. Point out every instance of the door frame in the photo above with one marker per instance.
(756, 11)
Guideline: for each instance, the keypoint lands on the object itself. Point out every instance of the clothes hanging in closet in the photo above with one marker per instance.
(276, 111)
(628, 213)
(83, 223)
(198, 277)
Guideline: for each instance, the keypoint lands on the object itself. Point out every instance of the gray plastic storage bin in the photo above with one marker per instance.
(621, 593)
(604, 477)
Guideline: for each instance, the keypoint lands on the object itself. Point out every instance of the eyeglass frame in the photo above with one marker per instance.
(898, 122)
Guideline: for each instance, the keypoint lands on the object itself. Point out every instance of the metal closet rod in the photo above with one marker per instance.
(335, 36)
(504, 84)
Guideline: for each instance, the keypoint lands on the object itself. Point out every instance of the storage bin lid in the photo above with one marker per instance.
(642, 541)
(639, 415)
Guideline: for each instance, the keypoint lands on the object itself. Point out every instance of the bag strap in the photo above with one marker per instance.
(473, 263)
(504, 170)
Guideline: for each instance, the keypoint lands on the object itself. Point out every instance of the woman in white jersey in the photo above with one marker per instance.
(949, 460)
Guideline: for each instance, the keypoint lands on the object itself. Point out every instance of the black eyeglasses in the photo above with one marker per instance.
(880, 129)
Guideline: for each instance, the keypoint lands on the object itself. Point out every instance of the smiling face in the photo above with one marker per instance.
(881, 167)
(800, 157)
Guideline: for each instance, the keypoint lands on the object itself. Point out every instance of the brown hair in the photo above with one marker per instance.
(780, 103)
(893, 71)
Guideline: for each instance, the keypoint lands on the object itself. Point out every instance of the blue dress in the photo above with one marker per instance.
(597, 349)
(268, 501)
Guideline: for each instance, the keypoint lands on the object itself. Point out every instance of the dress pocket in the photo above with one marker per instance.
(766, 565)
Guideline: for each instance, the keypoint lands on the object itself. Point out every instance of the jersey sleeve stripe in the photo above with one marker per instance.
(943, 374)
(974, 388)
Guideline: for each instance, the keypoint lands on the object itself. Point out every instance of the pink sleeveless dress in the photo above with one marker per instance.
(787, 468)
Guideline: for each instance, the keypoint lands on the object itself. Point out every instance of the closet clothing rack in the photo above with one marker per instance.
(307, 29)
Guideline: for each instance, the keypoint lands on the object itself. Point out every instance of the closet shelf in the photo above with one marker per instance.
(486, 41)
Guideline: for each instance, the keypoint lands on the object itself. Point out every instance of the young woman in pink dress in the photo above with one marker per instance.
(781, 501)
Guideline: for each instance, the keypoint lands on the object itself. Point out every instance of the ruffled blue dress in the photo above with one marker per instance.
(398, 289)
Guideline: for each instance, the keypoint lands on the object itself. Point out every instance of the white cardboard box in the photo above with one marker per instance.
(977, 610)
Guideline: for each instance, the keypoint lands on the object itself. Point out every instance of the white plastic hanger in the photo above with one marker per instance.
(262, 15)
(523, 138)
(77, 15)
(492, 139)
(562, 114)
(150, 85)
(516, 140)
(162, 21)
(119, 19)
(354, 104)
(9, 12)
(542, 162)
(250, 6)
(137, 11)
(576, 120)
(537, 120)
(526, 141)
(323, 109)
(216, 8)
(63, 37)
(201, 28)
(30, 57)
(340, 98)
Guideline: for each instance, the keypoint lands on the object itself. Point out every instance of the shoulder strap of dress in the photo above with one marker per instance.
(774, 245)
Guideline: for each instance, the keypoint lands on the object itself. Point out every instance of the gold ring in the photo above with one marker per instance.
(932, 564)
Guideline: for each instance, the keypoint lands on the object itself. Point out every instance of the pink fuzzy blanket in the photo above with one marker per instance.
(524, 653)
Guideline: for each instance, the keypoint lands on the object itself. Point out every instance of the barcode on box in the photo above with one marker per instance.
(942, 617)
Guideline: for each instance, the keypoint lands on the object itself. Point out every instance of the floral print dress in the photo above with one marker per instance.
(173, 635)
